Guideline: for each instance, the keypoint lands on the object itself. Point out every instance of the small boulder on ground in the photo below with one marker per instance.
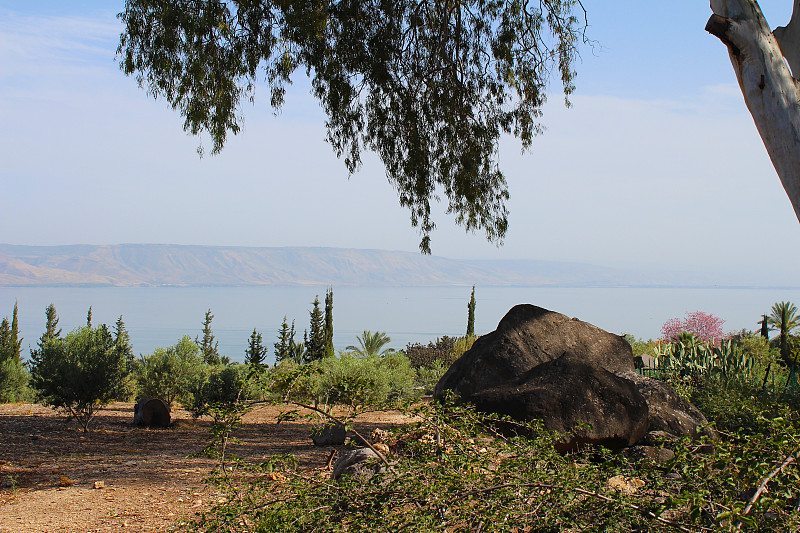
(151, 412)
(329, 434)
(361, 462)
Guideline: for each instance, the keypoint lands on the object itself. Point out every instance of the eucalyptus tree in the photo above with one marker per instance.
(429, 86)
(370, 344)
(766, 65)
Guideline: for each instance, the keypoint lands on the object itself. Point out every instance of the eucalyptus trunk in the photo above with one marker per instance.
(770, 92)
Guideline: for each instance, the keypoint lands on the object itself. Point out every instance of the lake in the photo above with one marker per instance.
(160, 316)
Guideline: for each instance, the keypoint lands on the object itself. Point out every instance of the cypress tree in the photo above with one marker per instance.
(208, 346)
(122, 340)
(285, 341)
(329, 323)
(52, 323)
(471, 314)
(14, 341)
(89, 318)
(315, 339)
(254, 355)
(5, 340)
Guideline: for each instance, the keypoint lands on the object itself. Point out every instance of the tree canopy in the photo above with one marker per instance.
(430, 86)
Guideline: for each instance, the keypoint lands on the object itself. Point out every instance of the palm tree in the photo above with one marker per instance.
(371, 344)
(783, 317)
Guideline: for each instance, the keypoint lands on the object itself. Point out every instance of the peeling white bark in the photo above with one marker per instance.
(770, 92)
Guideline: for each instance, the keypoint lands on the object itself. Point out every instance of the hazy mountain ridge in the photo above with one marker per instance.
(181, 265)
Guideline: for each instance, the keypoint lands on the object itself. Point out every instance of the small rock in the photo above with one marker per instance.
(381, 447)
(379, 435)
(650, 453)
(329, 435)
(625, 485)
(99, 484)
(361, 462)
(64, 481)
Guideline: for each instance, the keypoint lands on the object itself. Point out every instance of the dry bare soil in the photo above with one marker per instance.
(119, 477)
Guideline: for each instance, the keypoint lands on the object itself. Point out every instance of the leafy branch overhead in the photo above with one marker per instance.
(428, 85)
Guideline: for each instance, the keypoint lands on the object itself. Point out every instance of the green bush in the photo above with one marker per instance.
(14, 382)
(79, 373)
(346, 380)
(428, 377)
(222, 387)
(452, 471)
(170, 373)
(442, 349)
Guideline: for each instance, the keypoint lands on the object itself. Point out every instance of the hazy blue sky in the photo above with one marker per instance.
(657, 162)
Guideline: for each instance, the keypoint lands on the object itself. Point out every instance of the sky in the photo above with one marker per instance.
(656, 163)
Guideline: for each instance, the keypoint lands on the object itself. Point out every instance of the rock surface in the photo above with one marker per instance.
(361, 462)
(566, 393)
(669, 412)
(329, 435)
(151, 412)
(526, 337)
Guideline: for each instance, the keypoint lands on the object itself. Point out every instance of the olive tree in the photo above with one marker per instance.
(80, 372)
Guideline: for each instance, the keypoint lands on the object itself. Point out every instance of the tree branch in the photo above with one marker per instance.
(762, 487)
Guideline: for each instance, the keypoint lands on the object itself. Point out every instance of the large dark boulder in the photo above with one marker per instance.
(566, 392)
(526, 337)
(151, 412)
(669, 412)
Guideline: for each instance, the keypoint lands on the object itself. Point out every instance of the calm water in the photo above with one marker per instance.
(160, 316)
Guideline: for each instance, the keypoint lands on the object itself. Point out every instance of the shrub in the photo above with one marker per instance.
(79, 373)
(222, 387)
(452, 471)
(13, 381)
(442, 349)
(428, 377)
(170, 373)
(346, 380)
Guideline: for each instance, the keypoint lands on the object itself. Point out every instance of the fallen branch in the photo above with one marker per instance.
(580, 491)
(762, 487)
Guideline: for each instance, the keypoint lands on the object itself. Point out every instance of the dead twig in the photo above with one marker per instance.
(762, 487)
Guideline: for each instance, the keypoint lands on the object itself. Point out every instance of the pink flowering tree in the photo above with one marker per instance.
(705, 327)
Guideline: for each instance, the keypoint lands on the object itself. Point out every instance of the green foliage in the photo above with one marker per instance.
(80, 372)
(471, 314)
(221, 390)
(255, 353)
(442, 349)
(170, 373)
(783, 317)
(14, 381)
(10, 343)
(347, 380)
(689, 356)
(429, 86)
(429, 376)
(208, 346)
(123, 342)
(370, 344)
(315, 341)
(283, 347)
(451, 470)
(329, 350)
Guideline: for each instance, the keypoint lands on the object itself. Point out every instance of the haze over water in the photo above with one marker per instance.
(161, 316)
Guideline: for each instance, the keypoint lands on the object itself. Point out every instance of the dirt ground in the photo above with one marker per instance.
(119, 477)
